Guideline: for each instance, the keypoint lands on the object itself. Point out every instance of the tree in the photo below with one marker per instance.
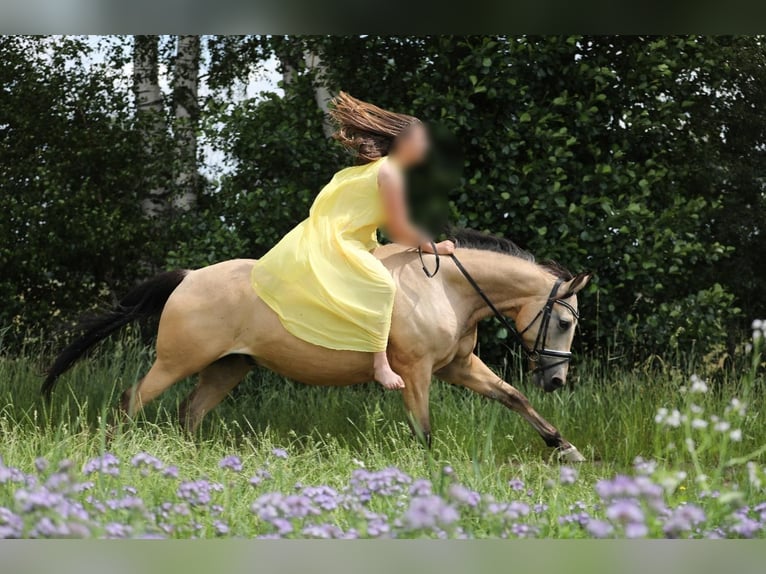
(150, 114)
(185, 99)
(588, 150)
(71, 227)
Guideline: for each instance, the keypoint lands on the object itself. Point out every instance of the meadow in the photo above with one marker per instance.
(674, 449)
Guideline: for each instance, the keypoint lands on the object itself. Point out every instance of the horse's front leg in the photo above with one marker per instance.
(471, 372)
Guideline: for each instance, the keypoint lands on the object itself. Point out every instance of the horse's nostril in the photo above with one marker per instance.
(557, 382)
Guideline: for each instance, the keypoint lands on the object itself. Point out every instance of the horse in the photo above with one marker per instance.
(213, 323)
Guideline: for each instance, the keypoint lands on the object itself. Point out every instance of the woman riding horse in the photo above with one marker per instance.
(327, 311)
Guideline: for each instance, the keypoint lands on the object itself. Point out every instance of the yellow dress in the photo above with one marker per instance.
(322, 280)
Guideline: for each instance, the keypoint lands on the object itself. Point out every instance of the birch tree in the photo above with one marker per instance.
(150, 115)
(322, 94)
(186, 120)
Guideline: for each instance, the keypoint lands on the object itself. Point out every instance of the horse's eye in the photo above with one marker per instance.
(564, 324)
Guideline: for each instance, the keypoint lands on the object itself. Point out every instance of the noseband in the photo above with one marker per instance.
(539, 350)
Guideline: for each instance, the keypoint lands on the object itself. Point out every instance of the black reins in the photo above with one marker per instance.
(539, 349)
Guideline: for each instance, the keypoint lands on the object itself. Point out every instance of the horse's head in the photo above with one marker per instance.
(547, 328)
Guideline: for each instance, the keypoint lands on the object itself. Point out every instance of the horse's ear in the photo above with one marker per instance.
(575, 284)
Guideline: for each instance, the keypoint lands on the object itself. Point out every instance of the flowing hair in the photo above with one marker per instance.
(367, 130)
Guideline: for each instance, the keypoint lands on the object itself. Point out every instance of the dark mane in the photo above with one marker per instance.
(472, 239)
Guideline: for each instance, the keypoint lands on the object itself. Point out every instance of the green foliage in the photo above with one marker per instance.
(607, 154)
(71, 230)
(282, 161)
(638, 158)
(335, 430)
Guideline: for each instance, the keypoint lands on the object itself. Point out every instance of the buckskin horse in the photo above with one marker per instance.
(212, 323)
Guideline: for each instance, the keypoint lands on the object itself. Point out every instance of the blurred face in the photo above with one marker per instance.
(412, 146)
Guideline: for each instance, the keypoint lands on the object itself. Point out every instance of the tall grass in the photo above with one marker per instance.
(607, 412)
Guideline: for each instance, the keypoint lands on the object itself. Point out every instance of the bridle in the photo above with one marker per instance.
(539, 350)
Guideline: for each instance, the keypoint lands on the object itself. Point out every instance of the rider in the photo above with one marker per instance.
(322, 279)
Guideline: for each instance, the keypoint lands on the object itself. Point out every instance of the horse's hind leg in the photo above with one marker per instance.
(160, 377)
(215, 382)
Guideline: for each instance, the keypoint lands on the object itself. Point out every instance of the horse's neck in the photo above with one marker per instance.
(508, 281)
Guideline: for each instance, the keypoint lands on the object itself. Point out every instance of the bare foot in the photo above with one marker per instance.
(389, 379)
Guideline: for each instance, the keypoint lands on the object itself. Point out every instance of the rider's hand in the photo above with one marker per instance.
(442, 248)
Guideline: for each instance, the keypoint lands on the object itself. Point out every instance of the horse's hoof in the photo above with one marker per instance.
(571, 454)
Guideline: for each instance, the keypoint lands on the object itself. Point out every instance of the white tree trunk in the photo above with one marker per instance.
(149, 112)
(185, 93)
(322, 94)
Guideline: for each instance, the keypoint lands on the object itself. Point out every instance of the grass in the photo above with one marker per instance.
(331, 433)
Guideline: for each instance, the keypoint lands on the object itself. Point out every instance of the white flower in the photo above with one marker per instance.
(690, 445)
(699, 424)
(759, 329)
(737, 406)
(735, 435)
(674, 419)
(701, 478)
(696, 409)
(662, 414)
(698, 385)
(752, 472)
(722, 426)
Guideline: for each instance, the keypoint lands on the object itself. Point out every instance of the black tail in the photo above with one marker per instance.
(146, 300)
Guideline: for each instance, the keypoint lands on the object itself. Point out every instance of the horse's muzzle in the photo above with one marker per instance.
(553, 384)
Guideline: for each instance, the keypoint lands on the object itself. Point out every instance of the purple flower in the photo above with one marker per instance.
(231, 462)
(464, 496)
(521, 530)
(221, 528)
(746, 527)
(579, 518)
(41, 465)
(599, 528)
(516, 510)
(297, 506)
(279, 453)
(429, 512)
(567, 475)
(387, 482)
(117, 530)
(421, 487)
(126, 503)
(625, 512)
(39, 499)
(636, 530)
(260, 475)
(146, 463)
(683, 519)
(282, 525)
(198, 492)
(10, 474)
(107, 464)
(324, 497)
(377, 525)
(170, 472)
(11, 525)
(322, 531)
(516, 484)
(47, 528)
